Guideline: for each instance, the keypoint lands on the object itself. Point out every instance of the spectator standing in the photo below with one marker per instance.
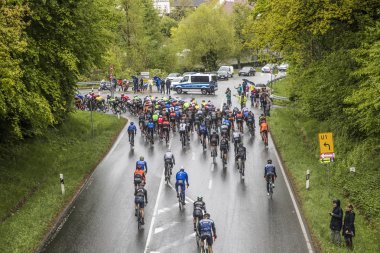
(141, 86)
(135, 84)
(336, 222)
(168, 84)
(349, 226)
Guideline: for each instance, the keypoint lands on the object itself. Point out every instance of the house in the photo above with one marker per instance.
(162, 6)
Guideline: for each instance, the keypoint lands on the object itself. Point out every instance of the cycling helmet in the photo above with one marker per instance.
(199, 198)
(141, 158)
(182, 168)
(132, 123)
(206, 215)
(270, 161)
(142, 184)
(213, 132)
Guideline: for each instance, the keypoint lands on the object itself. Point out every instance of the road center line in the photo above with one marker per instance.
(186, 197)
(154, 212)
(210, 184)
(302, 224)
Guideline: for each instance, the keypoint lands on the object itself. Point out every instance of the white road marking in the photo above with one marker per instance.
(154, 212)
(186, 197)
(302, 224)
(210, 184)
(176, 243)
(212, 167)
(165, 227)
(193, 156)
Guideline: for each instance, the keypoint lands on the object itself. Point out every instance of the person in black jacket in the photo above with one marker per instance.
(349, 226)
(336, 222)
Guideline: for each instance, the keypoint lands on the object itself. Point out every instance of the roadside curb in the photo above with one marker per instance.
(62, 216)
(305, 227)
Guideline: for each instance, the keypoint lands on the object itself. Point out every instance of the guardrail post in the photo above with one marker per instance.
(62, 183)
(307, 179)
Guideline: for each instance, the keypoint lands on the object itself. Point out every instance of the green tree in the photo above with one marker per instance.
(166, 25)
(240, 15)
(205, 37)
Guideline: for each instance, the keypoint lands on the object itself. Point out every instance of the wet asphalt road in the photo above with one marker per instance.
(102, 218)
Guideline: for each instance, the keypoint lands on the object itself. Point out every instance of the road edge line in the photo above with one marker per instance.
(295, 204)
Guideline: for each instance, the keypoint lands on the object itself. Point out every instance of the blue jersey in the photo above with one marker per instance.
(270, 170)
(132, 128)
(142, 164)
(206, 227)
(150, 125)
(182, 175)
(203, 130)
(226, 122)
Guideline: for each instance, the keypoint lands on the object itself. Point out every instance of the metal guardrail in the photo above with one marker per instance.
(279, 98)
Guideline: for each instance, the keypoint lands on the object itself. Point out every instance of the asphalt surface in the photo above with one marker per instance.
(102, 218)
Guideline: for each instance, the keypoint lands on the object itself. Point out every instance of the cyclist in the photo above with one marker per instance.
(264, 129)
(141, 199)
(269, 173)
(169, 159)
(214, 142)
(199, 209)
(139, 176)
(159, 123)
(181, 177)
(165, 127)
(203, 133)
(239, 120)
(224, 146)
(142, 164)
(236, 137)
(183, 129)
(132, 130)
(206, 230)
(241, 152)
(250, 119)
(150, 127)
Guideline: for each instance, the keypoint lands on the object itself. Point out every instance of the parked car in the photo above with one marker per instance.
(222, 75)
(283, 67)
(205, 83)
(229, 69)
(247, 71)
(268, 68)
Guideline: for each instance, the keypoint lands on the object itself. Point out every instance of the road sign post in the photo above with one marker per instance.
(327, 155)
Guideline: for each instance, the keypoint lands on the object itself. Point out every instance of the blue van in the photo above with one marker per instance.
(204, 83)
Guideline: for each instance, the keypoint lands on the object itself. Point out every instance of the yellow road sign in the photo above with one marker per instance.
(326, 143)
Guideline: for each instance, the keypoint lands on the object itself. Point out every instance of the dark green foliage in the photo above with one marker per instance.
(45, 46)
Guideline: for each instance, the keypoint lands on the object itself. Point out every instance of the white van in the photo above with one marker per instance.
(229, 69)
(205, 83)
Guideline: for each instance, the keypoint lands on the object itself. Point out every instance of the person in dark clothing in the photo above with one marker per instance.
(348, 230)
(168, 84)
(336, 222)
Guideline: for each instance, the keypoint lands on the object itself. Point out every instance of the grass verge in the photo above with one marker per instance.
(296, 138)
(29, 176)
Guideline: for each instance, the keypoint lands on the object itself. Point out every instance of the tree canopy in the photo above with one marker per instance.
(205, 36)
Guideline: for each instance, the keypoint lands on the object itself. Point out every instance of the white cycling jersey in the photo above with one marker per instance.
(182, 127)
(236, 135)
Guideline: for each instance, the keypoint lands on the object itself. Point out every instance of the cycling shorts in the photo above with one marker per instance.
(208, 237)
(198, 213)
(139, 201)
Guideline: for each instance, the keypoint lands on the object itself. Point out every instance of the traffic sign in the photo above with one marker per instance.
(327, 155)
(326, 144)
